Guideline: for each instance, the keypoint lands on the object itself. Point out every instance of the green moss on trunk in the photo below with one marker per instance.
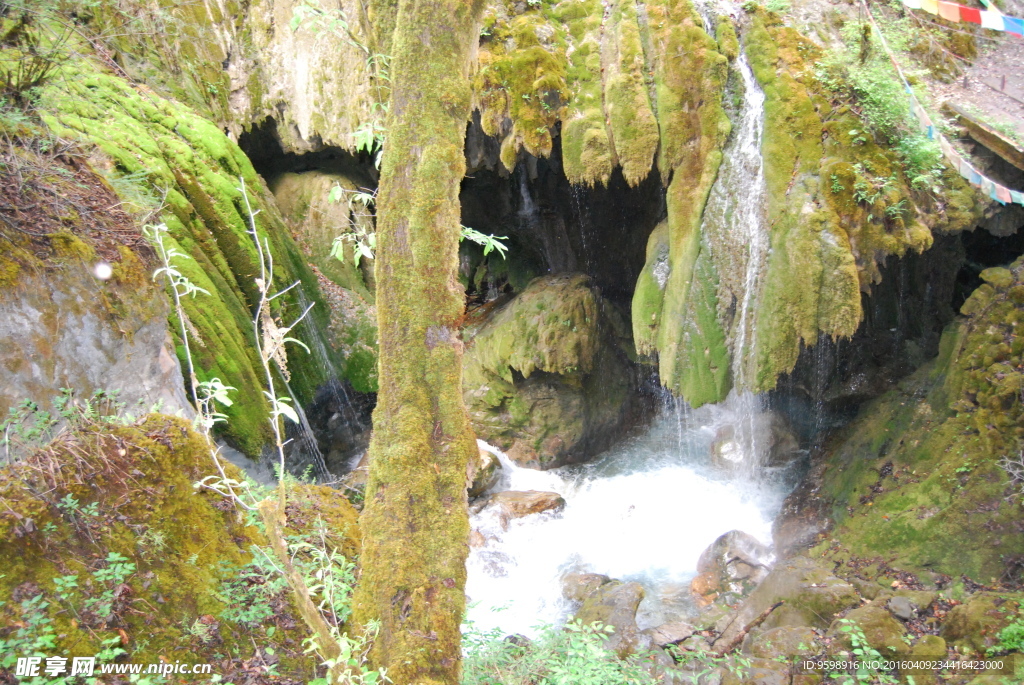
(415, 524)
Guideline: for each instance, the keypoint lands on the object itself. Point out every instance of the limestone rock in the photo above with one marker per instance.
(576, 587)
(784, 641)
(670, 633)
(974, 625)
(811, 595)
(614, 604)
(483, 473)
(902, 608)
(736, 562)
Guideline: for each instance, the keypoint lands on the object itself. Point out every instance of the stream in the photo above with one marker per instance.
(642, 511)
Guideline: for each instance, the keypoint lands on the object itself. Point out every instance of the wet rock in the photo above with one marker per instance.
(811, 595)
(482, 473)
(769, 430)
(576, 587)
(928, 648)
(901, 608)
(805, 516)
(670, 633)
(695, 643)
(476, 539)
(513, 504)
(974, 626)
(735, 562)
(880, 629)
(547, 377)
(614, 604)
(784, 641)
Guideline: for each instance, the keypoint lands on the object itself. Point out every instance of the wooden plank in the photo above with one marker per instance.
(987, 136)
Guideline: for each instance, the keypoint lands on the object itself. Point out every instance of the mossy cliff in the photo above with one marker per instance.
(917, 479)
(200, 171)
(838, 204)
(186, 590)
(316, 221)
(546, 377)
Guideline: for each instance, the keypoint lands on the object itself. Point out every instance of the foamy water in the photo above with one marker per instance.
(644, 511)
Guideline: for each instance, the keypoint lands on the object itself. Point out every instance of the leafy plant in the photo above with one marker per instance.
(1011, 638)
(863, 654)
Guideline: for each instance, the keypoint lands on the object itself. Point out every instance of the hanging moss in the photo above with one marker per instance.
(632, 124)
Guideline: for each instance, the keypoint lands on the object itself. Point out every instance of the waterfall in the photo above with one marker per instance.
(735, 236)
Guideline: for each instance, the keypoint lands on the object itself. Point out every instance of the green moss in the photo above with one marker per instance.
(201, 170)
(946, 505)
(632, 123)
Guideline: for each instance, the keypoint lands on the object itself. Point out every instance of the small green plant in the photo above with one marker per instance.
(777, 6)
(864, 654)
(1011, 638)
(249, 592)
(837, 185)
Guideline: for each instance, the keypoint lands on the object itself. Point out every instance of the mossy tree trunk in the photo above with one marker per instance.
(415, 525)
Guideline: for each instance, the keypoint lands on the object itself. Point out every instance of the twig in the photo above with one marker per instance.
(731, 644)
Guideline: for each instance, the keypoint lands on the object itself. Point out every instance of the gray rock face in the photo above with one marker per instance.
(59, 330)
(670, 633)
(482, 473)
(737, 561)
(902, 608)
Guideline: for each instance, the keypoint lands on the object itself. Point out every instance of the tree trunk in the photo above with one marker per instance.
(415, 524)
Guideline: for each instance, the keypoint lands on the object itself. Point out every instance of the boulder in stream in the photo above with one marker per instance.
(736, 562)
(547, 377)
(513, 504)
(576, 587)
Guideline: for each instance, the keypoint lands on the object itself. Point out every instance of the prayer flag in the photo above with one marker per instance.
(1014, 25)
(1003, 194)
(930, 6)
(947, 149)
(965, 169)
(949, 11)
(975, 178)
(992, 20)
(970, 14)
(1017, 196)
(913, 4)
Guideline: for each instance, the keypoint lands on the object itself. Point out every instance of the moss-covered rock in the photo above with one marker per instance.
(547, 376)
(107, 494)
(880, 629)
(973, 627)
(201, 172)
(918, 475)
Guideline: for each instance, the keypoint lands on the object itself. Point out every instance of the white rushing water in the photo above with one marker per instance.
(644, 511)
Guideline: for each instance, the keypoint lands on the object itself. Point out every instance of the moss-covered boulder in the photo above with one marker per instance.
(547, 377)
(809, 594)
(168, 149)
(973, 627)
(880, 630)
(614, 604)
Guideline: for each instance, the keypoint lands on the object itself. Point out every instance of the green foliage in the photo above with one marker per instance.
(247, 594)
(572, 655)
(922, 160)
(489, 242)
(1011, 638)
(777, 6)
(863, 653)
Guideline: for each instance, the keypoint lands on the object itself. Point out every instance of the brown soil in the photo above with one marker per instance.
(48, 187)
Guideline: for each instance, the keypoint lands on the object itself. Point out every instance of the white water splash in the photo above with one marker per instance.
(643, 512)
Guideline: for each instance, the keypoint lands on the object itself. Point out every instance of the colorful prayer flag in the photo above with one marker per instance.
(1003, 194)
(975, 178)
(992, 20)
(970, 14)
(913, 4)
(1014, 25)
(930, 6)
(949, 11)
(1017, 196)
